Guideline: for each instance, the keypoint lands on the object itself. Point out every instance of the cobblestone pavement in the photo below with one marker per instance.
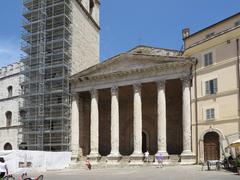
(146, 173)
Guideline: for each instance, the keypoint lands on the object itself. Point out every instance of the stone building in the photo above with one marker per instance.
(131, 103)
(9, 106)
(183, 104)
(60, 38)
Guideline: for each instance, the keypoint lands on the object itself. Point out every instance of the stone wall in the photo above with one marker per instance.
(9, 76)
(85, 40)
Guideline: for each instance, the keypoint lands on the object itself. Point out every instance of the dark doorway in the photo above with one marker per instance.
(211, 146)
(174, 116)
(144, 142)
(7, 146)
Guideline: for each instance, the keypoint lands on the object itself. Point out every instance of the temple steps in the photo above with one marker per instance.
(171, 160)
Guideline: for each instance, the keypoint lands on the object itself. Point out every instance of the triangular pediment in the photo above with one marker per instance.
(127, 62)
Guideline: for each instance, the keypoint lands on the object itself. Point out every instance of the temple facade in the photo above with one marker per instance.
(132, 103)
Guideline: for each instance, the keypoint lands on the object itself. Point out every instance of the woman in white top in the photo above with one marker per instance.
(3, 168)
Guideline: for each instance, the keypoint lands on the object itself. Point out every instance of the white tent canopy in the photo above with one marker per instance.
(19, 161)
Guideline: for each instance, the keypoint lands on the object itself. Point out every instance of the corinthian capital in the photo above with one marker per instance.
(161, 84)
(94, 93)
(186, 81)
(114, 90)
(137, 87)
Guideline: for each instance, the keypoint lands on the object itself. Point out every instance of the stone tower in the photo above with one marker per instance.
(60, 38)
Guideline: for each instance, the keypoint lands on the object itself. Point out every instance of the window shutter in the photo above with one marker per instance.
(210, 59)
(207, 87)
(205, 60)
(207, 114)
(212, 113)
(215, 86)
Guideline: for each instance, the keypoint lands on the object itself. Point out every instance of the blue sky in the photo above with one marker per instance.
(127, 23)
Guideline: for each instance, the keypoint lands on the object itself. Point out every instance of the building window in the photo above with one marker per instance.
(22, 114)
(237, 23)
(8, 118)
(91, 6)
(208, 59)
(211, 86)
(10, 88)
(7, 146)
(210, 35)
(210, 114)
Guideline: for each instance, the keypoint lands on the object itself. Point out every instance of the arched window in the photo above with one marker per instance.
(8, 118)
(7, 146)
(10, 89)
(91, 6)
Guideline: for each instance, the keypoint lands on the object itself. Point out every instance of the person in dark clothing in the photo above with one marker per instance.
(3, 168)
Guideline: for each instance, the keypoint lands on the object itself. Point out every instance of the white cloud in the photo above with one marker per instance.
(4, 50)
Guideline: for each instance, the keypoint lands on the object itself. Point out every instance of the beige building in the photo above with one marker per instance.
(215, 90)
(182, 104)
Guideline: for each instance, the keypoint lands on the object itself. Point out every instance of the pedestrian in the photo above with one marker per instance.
(146, 156)
(88, 164)
(159, 158)
(3, 168)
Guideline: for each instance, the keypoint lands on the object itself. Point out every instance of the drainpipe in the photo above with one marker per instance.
(238, 82)
(196, 109)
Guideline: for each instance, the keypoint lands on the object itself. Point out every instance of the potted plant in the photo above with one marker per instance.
(237, 163)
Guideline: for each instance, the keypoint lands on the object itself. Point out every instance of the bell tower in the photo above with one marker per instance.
(85, 34)
(59, 39)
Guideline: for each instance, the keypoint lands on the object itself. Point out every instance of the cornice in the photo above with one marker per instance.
(217, 66)
(125, 78)
(9, 98)
(214, 96)
(214, 122)
(161, 61)
(10, 127)
(153, 69)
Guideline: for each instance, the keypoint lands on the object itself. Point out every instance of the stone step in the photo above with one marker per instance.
(174, 158)
(171, 160)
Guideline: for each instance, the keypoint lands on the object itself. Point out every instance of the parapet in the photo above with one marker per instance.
(10, 69)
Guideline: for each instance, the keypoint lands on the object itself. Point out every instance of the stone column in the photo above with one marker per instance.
(162, 120)
(186, 117)
(137, 121)
(94, 127)
(75, 128)
(114, 124)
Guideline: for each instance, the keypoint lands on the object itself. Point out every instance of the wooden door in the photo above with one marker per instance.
(211, 146)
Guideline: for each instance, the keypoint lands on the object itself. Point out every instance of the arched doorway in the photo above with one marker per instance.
(211, 146)
(7, 146)
(144, 142)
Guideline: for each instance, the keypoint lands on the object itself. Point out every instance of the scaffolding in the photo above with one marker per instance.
(46, 43)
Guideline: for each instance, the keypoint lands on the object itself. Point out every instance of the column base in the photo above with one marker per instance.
(114, 158)
(188, 158)
(164, 153)
(136, 158)
(75, 156)
(74, 159)
(94, 157)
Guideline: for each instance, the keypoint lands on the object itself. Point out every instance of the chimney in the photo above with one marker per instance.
(185, 33)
